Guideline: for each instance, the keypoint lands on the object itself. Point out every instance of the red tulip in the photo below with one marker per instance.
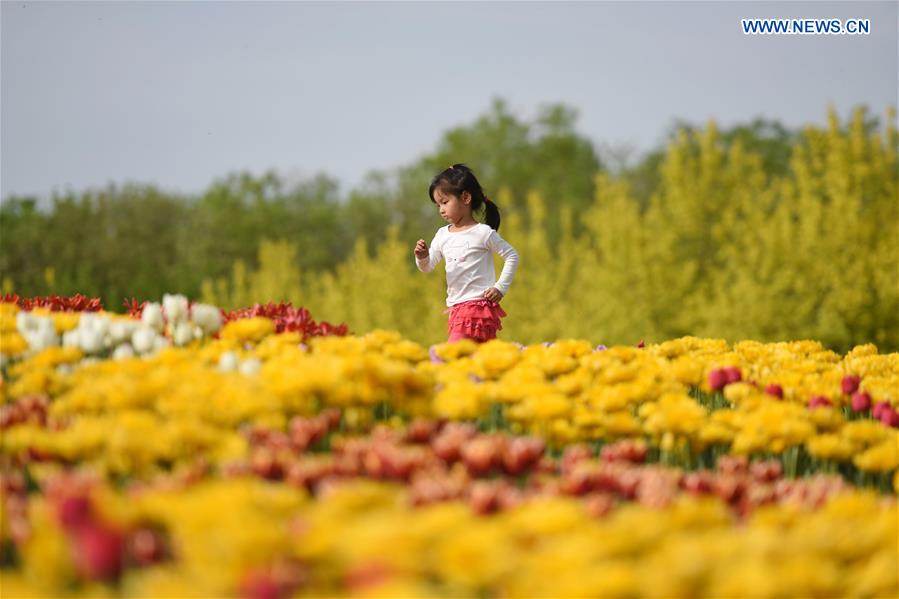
(260, 585)
(698, 483)
(878, 409)
(819, 401)
(861, 402)
(98, 552)
(767, 471)
(482, 454)
(889, 417)
(146, 546)
(850, 384)
(733, 374)
(574, 454)
(421, 431)
(733, 464)
(717, 379)
(75, 512)
(483, 497)
(521, 453)
(598, 505)
(775, 390)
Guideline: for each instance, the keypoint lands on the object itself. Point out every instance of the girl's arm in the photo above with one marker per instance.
(497, 244)
(435, 255)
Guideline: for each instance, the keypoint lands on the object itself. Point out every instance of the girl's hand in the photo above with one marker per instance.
(493, 294)
(421, 249)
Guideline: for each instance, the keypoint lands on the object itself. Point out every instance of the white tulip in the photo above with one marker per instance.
(250, 367)
(41, 336)
(183, 333)
(121, 331)
(228, 362)
(100, 324)
(123, 352)
(25, 322)
(71, 338)
(152, 317)
(160, 343)
(175, 307)
(90, 341)
(207, 317)
(143, 339)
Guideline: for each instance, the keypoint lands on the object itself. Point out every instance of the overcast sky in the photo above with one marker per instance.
(179, 94)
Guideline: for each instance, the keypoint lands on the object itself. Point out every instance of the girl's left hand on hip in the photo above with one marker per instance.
(493, 294)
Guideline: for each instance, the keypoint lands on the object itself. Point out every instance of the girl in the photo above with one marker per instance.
(472, 291)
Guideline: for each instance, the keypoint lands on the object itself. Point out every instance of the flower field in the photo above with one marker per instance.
(182, 451)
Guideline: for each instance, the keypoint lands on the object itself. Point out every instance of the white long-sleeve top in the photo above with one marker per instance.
(469, 262)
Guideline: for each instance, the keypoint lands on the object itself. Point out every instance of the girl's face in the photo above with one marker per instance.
(452, 208)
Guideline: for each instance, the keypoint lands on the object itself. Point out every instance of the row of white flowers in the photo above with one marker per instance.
(173, 321)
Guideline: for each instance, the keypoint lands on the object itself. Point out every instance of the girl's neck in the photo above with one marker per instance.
(463, 224)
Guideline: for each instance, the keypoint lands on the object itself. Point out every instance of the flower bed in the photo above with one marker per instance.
(258, 455)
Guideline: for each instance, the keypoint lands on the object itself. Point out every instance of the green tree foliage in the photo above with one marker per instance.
(546, 156)
(750, 232)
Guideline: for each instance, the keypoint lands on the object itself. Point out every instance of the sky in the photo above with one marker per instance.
(179, 94)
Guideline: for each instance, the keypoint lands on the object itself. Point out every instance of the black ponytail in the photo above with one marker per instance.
(492, 214)
(458, 179)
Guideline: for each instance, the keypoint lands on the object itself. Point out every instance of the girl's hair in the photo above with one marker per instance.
(457, 179)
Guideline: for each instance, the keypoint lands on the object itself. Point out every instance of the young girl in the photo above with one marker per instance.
(472, 291)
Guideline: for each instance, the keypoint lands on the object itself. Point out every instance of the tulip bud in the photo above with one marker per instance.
(121, 331)
(143, 339)
(90, 341)
(208, 318)
(819, 401)
(733, 374)
(775, 390)
(175, 307)
(889, 417)
(861, 402)
(878, 409)
(717, 379)
(98, 552)
(123, 352)
(42, 336)
(850, 384)
(182, 334)
(152, 317)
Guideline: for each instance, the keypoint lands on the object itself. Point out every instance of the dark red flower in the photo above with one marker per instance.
(861, 402)
(850, 384)
(819, 401)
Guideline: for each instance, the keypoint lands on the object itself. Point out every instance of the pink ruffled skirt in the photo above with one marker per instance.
(475, 319)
